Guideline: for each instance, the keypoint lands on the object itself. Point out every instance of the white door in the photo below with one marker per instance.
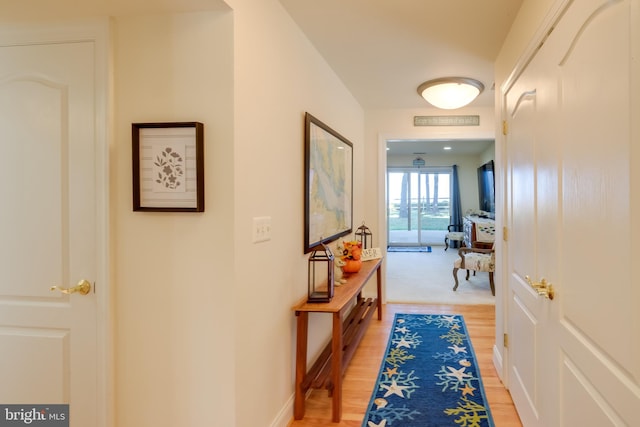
(572, 182)
(48, 340)
(533, 241)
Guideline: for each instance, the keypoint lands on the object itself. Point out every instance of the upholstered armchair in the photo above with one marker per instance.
(474, 259)
(452, 235)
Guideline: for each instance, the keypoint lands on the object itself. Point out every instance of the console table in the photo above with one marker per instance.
(347, 332)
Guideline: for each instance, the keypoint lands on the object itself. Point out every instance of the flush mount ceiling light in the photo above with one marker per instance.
(450, 93)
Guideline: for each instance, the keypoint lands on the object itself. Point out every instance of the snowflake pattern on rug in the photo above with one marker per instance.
(429, 377)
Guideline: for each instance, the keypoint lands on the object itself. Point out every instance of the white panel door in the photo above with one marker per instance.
(572, 156)
(48, 227)
(532, 165)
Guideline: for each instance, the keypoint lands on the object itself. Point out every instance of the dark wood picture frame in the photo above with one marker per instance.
(168, 166)
(328, 184)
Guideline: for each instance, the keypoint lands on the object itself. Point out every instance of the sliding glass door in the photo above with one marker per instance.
(418, 206)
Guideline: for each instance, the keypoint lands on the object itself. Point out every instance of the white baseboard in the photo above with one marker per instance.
(498, 363)
(285, 416)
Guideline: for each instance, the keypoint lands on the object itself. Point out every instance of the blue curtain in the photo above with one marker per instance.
(456, 208)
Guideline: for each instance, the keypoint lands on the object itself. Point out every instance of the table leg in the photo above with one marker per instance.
(301, 363)
(379, 289)
(336, 367)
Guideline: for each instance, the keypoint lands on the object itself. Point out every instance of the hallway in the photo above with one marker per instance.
(363, 369)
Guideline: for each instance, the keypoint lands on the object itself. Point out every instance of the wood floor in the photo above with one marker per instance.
(361, 374)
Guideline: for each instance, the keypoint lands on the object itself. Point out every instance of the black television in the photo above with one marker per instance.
(487, 188)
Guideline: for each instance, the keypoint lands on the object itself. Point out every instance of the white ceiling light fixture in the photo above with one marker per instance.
(450, 93)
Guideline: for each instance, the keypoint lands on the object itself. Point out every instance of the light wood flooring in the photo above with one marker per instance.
(363, 370)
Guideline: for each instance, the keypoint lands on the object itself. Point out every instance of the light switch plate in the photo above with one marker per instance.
(261, 229)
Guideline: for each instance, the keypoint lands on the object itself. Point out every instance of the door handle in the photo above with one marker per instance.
(542, 287)
(83, 287)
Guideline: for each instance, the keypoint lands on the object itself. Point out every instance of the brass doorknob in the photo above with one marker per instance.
(83, 287)
(543, 288)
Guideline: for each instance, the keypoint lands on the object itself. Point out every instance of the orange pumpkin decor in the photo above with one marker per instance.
(350, 253)
(352, 266)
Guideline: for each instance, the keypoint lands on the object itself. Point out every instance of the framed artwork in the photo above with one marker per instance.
(328, 180)
(168, 167)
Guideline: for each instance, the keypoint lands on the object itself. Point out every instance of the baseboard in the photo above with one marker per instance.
(498, 363)
(285, 416)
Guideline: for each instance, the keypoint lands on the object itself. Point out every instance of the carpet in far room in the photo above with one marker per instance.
(426, 277)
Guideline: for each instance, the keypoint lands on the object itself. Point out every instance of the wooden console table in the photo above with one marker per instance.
(347, 332)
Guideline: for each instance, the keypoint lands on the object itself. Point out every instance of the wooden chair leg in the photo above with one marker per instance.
(468, 274)
(493, 287)
(455, 277)
(446, 243)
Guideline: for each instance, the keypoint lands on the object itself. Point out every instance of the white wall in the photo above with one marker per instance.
(174, 341)
(204, 316)
(528, 21)
(487, 155)
(278, 76)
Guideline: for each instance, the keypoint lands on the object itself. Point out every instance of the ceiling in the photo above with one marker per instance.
(384, 49)
(465, 147)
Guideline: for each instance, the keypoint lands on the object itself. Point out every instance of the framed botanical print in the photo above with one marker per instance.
(168, 167)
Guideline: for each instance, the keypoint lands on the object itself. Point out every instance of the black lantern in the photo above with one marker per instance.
(364, 236)
(321, 279)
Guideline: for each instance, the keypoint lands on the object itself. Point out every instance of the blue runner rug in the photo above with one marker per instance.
(429, 376)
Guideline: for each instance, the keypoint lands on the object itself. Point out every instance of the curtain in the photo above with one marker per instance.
(456, 208)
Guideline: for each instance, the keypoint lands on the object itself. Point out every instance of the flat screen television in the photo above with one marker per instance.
(487, 188)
